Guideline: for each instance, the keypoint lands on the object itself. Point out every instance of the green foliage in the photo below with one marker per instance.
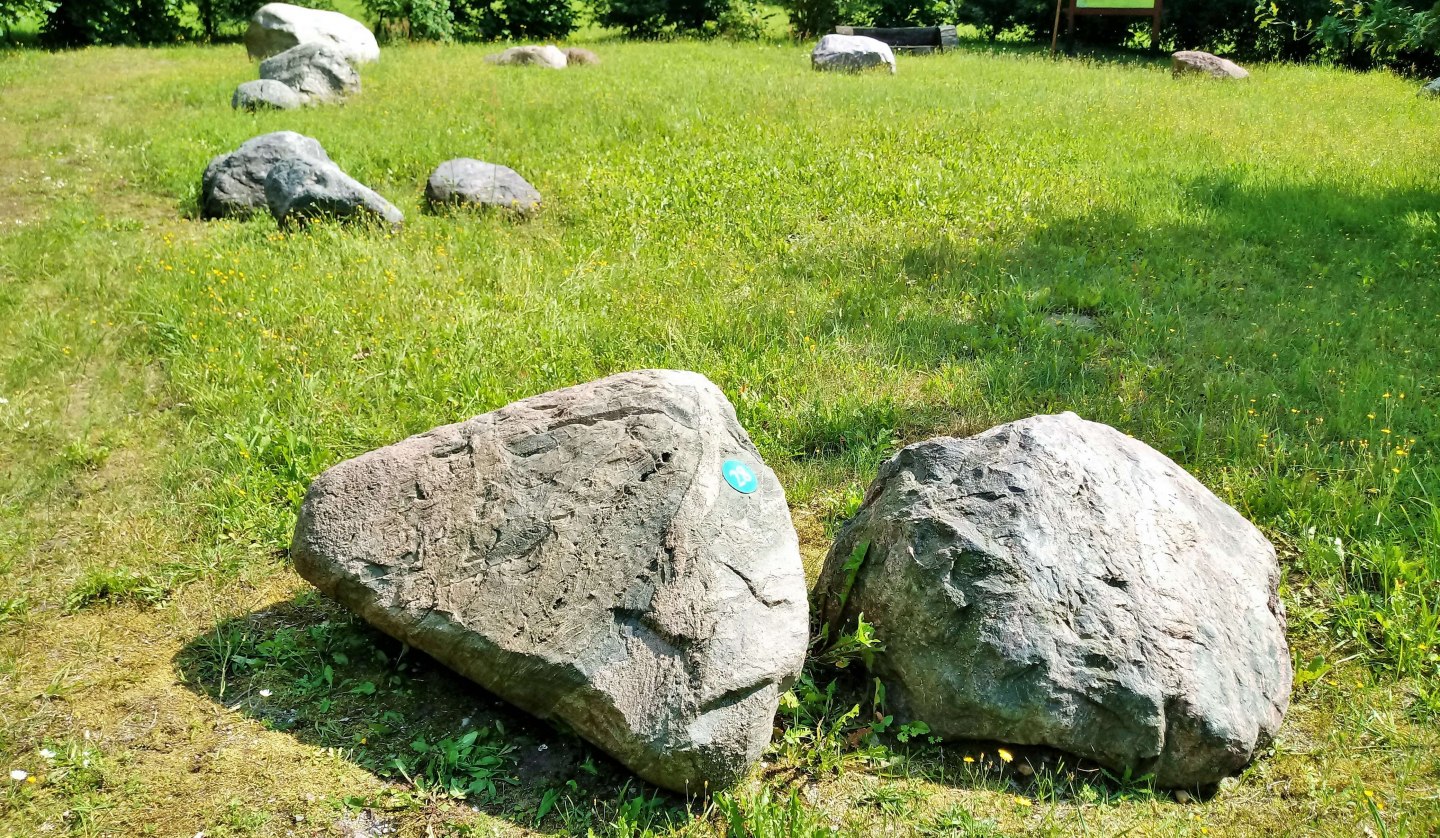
(420, 20)
(471, 766)
(73, 23)
(1403, 34)
(653, 18)
(489, 20)
(767, 815)
(219, 17)
(12, 12)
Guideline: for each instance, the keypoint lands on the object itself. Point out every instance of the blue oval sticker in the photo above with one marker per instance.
(740, 476)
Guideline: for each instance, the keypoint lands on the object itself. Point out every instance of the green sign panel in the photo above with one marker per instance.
(1114, 4)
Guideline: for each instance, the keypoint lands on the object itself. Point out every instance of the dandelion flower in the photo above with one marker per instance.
(1005, 756)
(969, 759)
(18, 776)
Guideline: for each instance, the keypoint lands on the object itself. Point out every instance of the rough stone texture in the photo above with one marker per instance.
(577, 56)
(465, 181)
(317, 72)
(1431, 89)
(1193, 61)
(302, 189)
(234, 184)
(851, 54)
(544, 56)
(579, 554)
(265, 93)
(276, 27)
(1055, 582)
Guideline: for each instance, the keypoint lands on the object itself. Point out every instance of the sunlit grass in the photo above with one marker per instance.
(1242, 276)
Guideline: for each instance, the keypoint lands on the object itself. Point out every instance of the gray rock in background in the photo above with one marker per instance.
(276, 27)
(1431, 89)
(265, 93)
(580, 554)
(851, 54)
(233, 185)
(302, 189)
(578, 56)
(1194, 61)
(1055, 582)
(538, 56)
(466, 181)
(315, 71)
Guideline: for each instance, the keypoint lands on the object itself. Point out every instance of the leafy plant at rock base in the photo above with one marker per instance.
(474, 765)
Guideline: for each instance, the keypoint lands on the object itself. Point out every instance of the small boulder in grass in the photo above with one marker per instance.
(233, 185)
(1193, 61)
(263, 94)
(317, 72)
(852, 54)
(1431, 89)
(469, 182)
(532, 56)
(1054, 582)
(578, 56)
(300, 190)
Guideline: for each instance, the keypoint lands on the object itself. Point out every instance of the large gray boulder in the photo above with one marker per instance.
(469, 182)
(851, 54)
(317, 72)
(533, 56)
(233, 185)
(1431, 88)
(1194, 61)
(276, 27)
(265, 93)
(579, 56)
(1055, 582)
(300, 189)
(582, 554)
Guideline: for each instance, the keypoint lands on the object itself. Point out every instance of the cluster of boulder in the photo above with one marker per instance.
(617, 557)
(293, 177)
(307, 56)
(547, 55)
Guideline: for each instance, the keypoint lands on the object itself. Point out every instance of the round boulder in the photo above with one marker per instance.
(265, 93)
(317, 72)
(851, 54)
(234, 184)
(1054, 582)
(1194, 61)
(577, 56)
(468, 182)
(543, 56)
(299, 190)
(276, 27)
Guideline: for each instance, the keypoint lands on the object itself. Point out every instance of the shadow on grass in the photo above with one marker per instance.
(308, 667)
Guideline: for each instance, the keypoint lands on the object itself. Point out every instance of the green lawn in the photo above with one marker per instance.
(1241, 275)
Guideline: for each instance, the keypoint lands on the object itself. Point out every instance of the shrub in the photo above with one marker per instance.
(84, 22)
(12, 12)
(215, 16)
(489, 20)
(653, 18)
(421, 20)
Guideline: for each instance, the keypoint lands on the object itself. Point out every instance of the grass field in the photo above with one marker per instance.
(1241, 275)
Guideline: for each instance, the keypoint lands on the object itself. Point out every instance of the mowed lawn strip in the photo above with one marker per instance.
(1240, 275)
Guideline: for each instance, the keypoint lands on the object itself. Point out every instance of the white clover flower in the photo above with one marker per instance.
(264, 693)
(46, 753)
(18, 776)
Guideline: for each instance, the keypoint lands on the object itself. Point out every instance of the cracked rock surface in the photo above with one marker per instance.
(1055, 582)
(580, 554)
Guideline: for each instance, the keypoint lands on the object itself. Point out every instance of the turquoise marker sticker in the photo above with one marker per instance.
(740, 477)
